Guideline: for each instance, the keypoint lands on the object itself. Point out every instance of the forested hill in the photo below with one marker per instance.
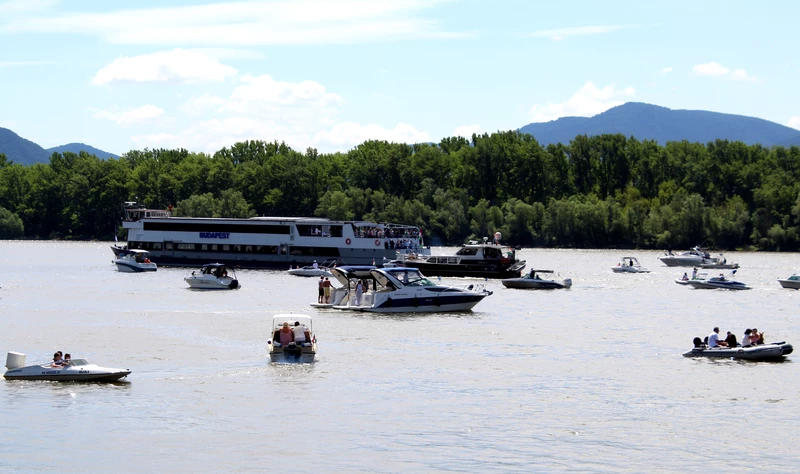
(645, 121)
(79, 147)
(25, 152)
(20, 150)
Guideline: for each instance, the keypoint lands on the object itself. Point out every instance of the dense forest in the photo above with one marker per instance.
(596, 192)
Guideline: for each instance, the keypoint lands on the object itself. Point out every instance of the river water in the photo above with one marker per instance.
(586, 379)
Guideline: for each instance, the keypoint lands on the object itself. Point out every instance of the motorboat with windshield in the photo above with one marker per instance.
(297, 344)
(629, 265)
(720, 282)
(481, 260)
(348, 277)
(401, 290)
(213, 276)
(135, 261)
(691, 258)
(315, 269)
(686, 279)
(77, 370)
(534, 281)
(775, 351)
(793, 282)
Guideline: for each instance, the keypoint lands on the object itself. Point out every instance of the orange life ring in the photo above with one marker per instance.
(347, 241)
(377, 242)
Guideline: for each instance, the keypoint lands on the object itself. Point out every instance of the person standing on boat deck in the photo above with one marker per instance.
(301, 333)
(326, 287)
(315, 265)
(359, 292)
(713, 339)
(694, 273)
(321, 291)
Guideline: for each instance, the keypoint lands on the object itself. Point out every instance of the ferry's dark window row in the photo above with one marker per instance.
(319, 230)
(255, 249)
(212, 227)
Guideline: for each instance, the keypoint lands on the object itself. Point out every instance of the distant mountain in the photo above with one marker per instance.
(645, 121)
(79, 147)
(26, 152)
(20, 150)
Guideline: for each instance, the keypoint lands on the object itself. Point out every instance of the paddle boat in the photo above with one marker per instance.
(793, 282)
(775, 351)
(296, 350)
(77, 370)
(213, 276)
(534, 281)
(402, 290)
(629, 265)
(135, 261)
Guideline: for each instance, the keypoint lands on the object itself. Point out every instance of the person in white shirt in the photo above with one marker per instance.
(315, 265)
(713, 339)
(301, 333)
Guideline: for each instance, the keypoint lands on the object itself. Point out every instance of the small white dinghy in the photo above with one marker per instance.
(629, 265)
(77, 370)
(135, 261)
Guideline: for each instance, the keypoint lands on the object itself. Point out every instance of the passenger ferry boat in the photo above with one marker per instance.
(265, 242)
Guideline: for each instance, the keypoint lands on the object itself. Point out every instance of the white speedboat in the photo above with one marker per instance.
(297, 350)
(534, 281)
(793, 282)
(349, 276)
(685, 279)
(629, 265)
(718, 283)
(403, 290)
(775, 351)
(78, 370)
(135, 261)
(691, 258)
(315, 269)
(213, 276)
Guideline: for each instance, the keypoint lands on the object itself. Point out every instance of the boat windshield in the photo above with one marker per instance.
(80, 362)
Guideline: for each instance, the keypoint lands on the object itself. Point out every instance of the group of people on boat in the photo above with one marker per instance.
(297, 334)
(61, 360)
(324, 293)
(685, 277)
(751, 338)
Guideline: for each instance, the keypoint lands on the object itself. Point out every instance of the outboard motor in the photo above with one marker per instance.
(567, 282)
(698, 343)
(15, 360)
(234, 284)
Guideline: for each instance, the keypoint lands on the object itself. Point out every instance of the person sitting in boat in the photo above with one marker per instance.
(685, 277)
(286, 334)
(57, 361)
(721, 277)
(713, 339)
(730, 340)
(301, 333)
(756, 338)
(746, 339)
(67, 359)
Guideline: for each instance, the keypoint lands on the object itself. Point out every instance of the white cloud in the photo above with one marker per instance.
(350, 134)
(710, 69)
(794, 122)
(255, 22)
(586, 102)
(302, 114)
(715, 69)
(178, 65)
(742, 75)
(466, 131)
(665, 70)
(139, 114)
(563, 33)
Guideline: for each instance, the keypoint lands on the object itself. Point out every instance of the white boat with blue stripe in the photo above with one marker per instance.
(135, 261)
(401, 290)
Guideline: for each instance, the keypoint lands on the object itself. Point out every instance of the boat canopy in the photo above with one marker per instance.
(344, 273)
(399, 277)
(279, 319)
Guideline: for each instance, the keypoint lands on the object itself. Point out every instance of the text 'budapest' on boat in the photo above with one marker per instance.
(265, 242)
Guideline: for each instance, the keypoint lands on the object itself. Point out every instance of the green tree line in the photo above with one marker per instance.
(595, 192)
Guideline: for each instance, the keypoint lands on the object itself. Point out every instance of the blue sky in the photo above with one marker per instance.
(331, 74)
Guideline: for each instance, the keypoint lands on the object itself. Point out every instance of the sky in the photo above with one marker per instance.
(203, 75)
